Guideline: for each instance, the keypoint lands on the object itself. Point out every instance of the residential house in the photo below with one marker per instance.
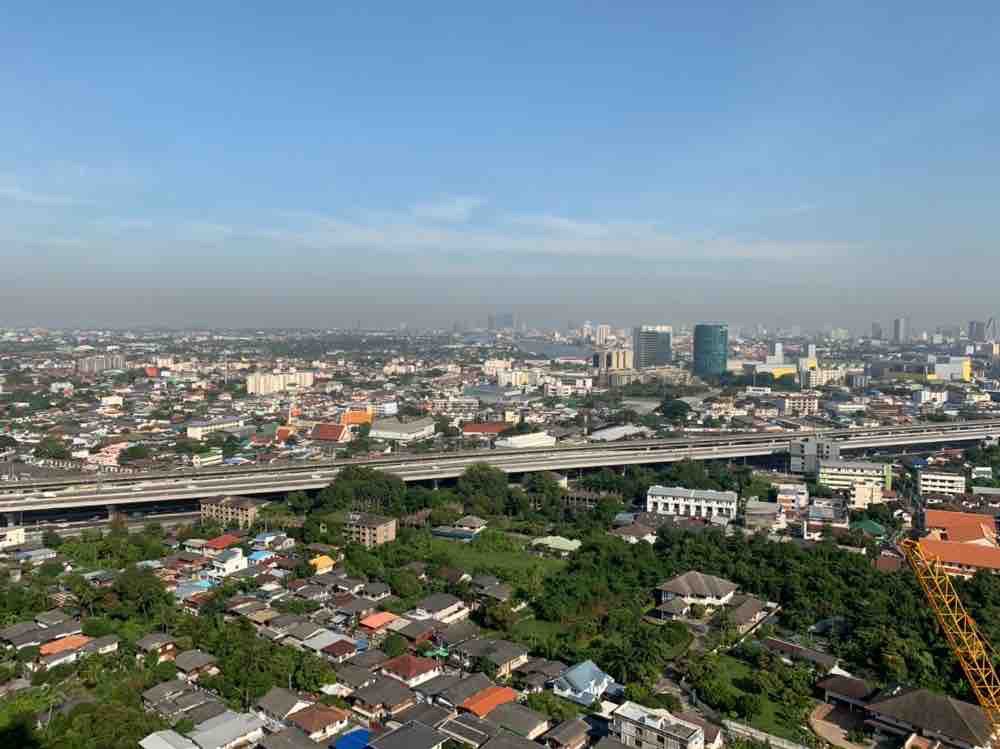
(936, 717)
(163, 646)
(411, 670)
(745, 612)
(520, 720)
(319, 722)
(227, 563)
(442, 607)
(275, 706)
(412, 735)
(505, 656)
(570, 734)
(193, 664)
(468, 730)
(482, 703)
(382, 699)
(648, 728)
(585, 684)
(228, 731)
(696, 588)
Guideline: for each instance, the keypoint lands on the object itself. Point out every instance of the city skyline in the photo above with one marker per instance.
(658, 163)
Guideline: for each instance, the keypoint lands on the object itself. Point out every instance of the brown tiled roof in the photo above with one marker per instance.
(408, 666)
(317, 717)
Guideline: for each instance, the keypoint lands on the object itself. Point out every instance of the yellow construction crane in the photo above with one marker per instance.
(973, 650)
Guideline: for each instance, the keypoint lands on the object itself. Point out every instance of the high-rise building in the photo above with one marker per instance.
(977, 331)
(652, 346)
(901, 330)
(711, 349)
(100, 363)
(601, 334)
(610, 360)
(265, 383)
(876, 331)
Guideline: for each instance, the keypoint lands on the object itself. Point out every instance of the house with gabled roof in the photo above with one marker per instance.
(585, 684)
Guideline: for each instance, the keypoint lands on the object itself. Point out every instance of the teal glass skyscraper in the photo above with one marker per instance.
(711, 349)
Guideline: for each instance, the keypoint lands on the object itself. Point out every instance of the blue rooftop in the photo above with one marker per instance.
(354, 740)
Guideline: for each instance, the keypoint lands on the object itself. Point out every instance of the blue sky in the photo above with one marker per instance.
(234, 162)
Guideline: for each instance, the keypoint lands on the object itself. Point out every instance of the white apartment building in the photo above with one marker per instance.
(199, 430)
(212, 458)
(798, 404)
(842, 475)
(266, 383)
(864, 495)
(793, 496)
(462, 407)
(12, 536)
(651, 728)
(816, 377)
(940, 482)
(518, 378)
(807, 453)
(492, 366)
(698, 503)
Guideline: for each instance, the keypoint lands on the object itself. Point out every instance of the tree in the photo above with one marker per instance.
(394, 645)
(484, 488)
(132, 453)
(51, 448)
(675, 411)
(51, 539)
(748, 705)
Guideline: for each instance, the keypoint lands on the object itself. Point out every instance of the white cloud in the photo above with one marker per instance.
(10, 190)
(419, 237)
(453, 210)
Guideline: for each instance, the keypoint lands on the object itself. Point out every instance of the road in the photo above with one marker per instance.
(138, 489)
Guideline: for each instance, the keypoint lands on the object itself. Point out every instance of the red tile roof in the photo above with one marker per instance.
(408, 666)
(223, 542)
(340, 648)
(329, 432)
(488, 427)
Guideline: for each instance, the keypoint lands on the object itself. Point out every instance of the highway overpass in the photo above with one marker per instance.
(136, 489)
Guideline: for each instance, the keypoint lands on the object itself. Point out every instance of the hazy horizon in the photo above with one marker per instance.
(316, 166)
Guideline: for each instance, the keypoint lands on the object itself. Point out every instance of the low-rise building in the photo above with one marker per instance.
(842, 475)
(369, 530)
(231, 511)
(649, 728)
(394, 430)
(699, 503)
(199, 430)
(940, 482)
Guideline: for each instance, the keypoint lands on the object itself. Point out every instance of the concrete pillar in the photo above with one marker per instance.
(114, 513)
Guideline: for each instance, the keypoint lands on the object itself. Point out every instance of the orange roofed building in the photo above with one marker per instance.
(483, 703)
(73, 642)
(356, 416)
(962, 559)
(961, 527)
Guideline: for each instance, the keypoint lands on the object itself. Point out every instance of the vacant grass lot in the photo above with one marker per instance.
(514, 563)
(738, 672)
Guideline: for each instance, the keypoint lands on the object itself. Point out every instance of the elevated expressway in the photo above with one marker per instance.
(190, 485)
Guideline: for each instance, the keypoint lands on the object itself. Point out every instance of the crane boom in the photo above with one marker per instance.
(973, 651)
